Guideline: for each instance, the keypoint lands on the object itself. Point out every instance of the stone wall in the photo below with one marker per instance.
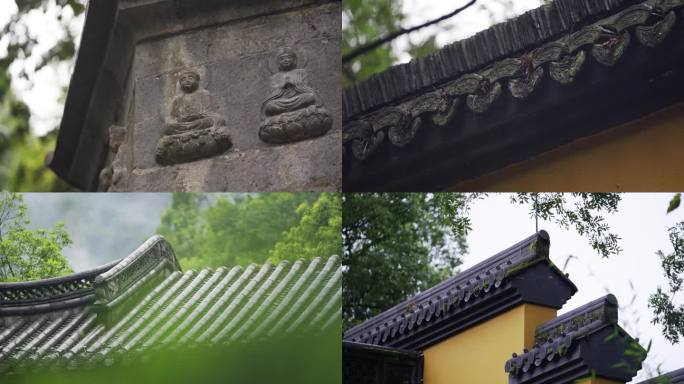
(234, 49)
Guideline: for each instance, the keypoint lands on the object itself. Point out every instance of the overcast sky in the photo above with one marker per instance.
(103, 226)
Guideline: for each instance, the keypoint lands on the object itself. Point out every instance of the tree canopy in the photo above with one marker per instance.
(209, 232)
(28, 254)
(406, 241)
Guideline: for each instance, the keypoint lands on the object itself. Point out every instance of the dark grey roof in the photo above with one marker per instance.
(145, 301)
(522, 273)
(485, 102)
(582, 342)
(502, 40)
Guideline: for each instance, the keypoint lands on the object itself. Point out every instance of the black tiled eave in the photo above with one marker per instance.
(577, 344)
(520, 274)
(601, 353)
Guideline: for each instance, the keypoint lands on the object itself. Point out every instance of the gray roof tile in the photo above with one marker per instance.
(144, 301)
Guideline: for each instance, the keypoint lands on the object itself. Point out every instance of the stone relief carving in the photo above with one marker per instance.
(292, 112)
(193, 129)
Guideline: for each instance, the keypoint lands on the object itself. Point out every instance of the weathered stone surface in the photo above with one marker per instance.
(235, 62)
(127, 74)
(292, 112)
(304, 166)
(192, 130)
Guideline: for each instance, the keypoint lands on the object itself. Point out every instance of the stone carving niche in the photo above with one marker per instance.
(292, 112)
(193, 129)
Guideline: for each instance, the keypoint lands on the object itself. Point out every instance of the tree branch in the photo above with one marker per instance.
(362, 50)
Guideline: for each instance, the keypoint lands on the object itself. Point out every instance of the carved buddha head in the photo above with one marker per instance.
(287, 59)
(189, 81)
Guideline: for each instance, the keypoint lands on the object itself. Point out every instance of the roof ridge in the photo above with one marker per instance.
(460, 278)
(599, 312)
(488, 288)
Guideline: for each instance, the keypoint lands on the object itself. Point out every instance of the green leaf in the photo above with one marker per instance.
(674, 203)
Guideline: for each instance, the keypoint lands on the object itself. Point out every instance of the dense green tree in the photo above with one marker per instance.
(27, 254)
(666, 312)
(318, 232)
(181, 223)
(252, 228)
(407, 241)
(411, 241)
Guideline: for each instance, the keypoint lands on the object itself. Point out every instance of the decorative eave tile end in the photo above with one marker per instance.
(401, 115)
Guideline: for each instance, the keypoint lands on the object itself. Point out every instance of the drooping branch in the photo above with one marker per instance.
(362, 50)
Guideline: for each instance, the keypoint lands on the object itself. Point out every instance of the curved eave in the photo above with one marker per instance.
(110, 283)
(54, 294)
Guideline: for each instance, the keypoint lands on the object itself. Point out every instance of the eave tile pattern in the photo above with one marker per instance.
(460, 297)
(513, 56)
(555, 353)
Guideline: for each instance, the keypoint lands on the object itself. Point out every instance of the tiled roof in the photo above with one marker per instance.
(582, 342)
(495, 285)
(145, 300)
(468, 107)
(502, 40)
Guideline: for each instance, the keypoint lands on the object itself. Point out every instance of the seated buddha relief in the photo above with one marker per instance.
(193, 130)
(292, 112)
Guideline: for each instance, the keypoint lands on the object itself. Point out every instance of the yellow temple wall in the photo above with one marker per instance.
(478, 355)
(642, 155)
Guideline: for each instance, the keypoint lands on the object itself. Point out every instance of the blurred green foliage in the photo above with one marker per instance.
(206, 232)
(23, 155)
(287, 359)
(27, 254)
(368, 20)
